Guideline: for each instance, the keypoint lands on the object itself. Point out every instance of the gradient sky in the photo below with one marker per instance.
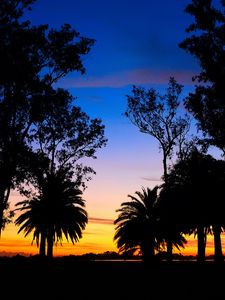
(136, 43)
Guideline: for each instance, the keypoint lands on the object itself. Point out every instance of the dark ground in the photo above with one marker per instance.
(69, 278)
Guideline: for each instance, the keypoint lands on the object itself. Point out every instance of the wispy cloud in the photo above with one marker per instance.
(124, 78)
(151, 179)
(101, 221)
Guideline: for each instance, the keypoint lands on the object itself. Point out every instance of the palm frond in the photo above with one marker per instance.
(58, 209)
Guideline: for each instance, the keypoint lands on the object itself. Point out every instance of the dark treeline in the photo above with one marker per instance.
(191, 199)
(43, 134)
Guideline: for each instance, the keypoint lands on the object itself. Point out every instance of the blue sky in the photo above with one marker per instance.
(136, 43)
(129, 34)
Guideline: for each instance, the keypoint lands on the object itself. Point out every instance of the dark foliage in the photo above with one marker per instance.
(206, 42)
(32, 59)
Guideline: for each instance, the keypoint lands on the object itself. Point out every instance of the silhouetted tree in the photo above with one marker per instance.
(207, 43)
(32, 58)
(56, 209)
(169, 214)
(158, 116)
(136, 225)
(196, 190)
(67, 136)
(64, 138)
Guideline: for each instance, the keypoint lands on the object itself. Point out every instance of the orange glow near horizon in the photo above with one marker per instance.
(98, 235)
(131, 48)
(97, 238)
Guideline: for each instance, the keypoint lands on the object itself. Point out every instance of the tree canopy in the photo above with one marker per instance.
(33, 59)
(158, 115)
(206, 42)
(54, 211)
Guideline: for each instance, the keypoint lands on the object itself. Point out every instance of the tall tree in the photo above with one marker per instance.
(55, 210)
(206, 42)
(61, 142)
(67, 136)
(136, 225)
(32, 58)
(196, 193)
(158, 116)
(170, 214)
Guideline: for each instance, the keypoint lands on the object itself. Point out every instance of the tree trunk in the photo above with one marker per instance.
(165, 168)
(1, 211)
(148, 251)
(50, 245)
(169, 254)
(169, 244)
(42, 245)
(4, 197)
(218, 253)
(50, 249)
(201, 244)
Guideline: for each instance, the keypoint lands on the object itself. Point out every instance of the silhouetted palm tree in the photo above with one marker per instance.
(136, 225)
(56, 211)
(196, 185)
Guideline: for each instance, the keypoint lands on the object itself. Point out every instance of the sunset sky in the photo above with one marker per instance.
(136, 43)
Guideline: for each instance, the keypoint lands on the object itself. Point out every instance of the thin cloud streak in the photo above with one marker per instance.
(101, 221)
(132, 77)
(151, 179)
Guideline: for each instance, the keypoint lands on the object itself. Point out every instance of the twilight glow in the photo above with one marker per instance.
(126, 52)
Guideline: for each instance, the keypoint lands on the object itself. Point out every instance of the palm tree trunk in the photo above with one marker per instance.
(42, 245)
(218, 253)
(50, 249)
(148, 251)
(169, 253)
(50, 244)
(201, 244)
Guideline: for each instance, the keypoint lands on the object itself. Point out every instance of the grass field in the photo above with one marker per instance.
(69, 278)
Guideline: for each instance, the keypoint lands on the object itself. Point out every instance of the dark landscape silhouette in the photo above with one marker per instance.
(45, 138)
